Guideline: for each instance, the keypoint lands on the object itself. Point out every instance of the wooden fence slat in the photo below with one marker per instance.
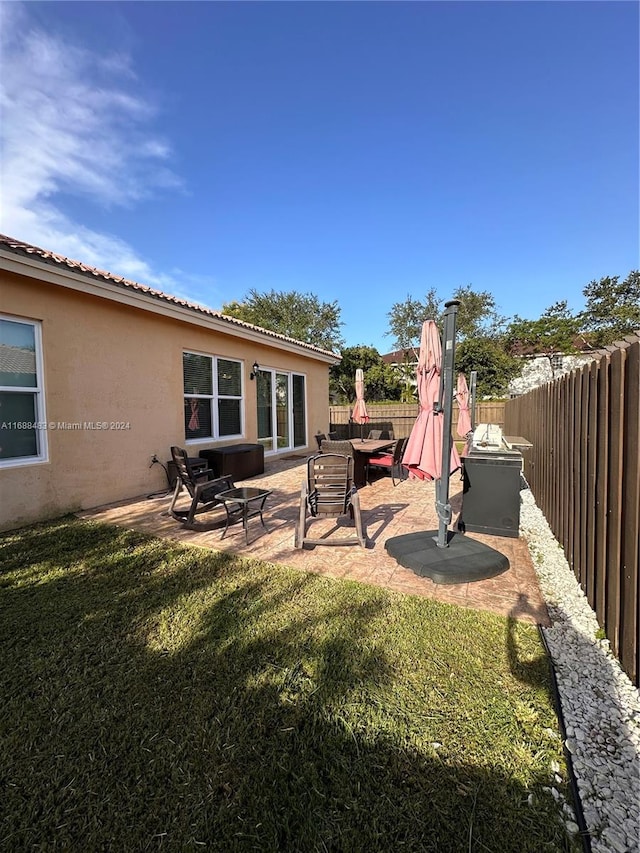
(584, 474)
(562, 451)
(584, 470)
(547, 443)
(572, 521)
(614, 529)
(542, 436)
(590, 491)
(602, 490)
(557, 453)
(630, 521)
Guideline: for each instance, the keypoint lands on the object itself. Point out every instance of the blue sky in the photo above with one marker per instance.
(359, 151)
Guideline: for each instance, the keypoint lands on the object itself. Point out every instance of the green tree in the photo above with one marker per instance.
(555, 332)
(381, 381)
(477, 315)
(406, 371)
(478, 337)
(612, 308)
(297, 315)
(406, 319)
(494, 365)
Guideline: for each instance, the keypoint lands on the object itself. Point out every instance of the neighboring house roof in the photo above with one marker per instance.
(45, 258)
(627, 341)
(581, 344)
(398, 356)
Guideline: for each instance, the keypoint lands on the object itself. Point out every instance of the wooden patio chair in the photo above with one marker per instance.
(390, 461)
(202, 486)
(329, 492)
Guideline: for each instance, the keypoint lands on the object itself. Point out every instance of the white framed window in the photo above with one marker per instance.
(213, 401)
(556, 362)
(23, 428)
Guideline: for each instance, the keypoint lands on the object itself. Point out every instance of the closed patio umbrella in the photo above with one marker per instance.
(360, 415)
(462, 396)
(424, 551)
(423, 453)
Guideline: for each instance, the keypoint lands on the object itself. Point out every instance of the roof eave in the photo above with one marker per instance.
(37, 268)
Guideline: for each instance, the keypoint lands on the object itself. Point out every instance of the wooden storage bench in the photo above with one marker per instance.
(239, 460)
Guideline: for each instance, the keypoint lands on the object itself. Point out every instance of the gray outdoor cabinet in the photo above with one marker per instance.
(491, 491)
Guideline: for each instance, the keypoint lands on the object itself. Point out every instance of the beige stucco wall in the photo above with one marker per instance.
(106, 362)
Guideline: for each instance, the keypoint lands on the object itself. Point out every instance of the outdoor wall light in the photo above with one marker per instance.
(256, 368)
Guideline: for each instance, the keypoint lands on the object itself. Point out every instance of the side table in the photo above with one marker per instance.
(238, 505)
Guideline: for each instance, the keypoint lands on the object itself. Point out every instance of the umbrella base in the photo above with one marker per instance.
(463, 561)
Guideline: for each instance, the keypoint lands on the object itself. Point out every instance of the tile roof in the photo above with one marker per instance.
(18, 247)
(398, 356)
(17, 359)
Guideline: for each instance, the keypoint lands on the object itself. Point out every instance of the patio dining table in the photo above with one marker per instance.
(363, 449)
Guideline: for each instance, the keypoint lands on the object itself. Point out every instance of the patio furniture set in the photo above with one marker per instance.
(330, 489)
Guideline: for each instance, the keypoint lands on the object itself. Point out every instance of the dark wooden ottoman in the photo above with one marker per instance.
(238, 460)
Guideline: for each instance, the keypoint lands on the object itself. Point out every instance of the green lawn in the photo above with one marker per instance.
(157, 696)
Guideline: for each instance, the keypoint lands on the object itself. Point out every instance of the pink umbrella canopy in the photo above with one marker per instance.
(423, 453)
(462, 396)
(360, 415)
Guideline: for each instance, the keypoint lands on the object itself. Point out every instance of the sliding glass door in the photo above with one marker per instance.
(282, 422)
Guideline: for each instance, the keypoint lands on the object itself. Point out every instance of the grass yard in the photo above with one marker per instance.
(156, 696)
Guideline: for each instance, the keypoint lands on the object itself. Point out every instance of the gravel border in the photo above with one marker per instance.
(600, 705)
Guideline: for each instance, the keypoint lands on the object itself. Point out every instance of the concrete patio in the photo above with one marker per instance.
(386, 512)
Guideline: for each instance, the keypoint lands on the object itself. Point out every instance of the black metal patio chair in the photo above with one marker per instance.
(390, 461)
(202, 486)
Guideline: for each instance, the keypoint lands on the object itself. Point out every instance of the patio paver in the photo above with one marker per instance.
(386, 512)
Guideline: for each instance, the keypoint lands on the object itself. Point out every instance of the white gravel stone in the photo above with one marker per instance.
(600, 705)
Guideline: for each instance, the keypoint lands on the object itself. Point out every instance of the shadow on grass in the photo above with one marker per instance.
(156, 695)
(534, 670)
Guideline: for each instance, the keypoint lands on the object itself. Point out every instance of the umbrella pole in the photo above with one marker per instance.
(443, 507)
(473, 378)
(466, 560)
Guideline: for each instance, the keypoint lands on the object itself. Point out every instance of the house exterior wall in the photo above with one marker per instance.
(537, 371)
(105, 362)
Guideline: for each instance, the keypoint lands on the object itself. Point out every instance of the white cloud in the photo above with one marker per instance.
(73, 123)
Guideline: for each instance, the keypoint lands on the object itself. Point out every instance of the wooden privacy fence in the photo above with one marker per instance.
(584, 471)
(402, 416)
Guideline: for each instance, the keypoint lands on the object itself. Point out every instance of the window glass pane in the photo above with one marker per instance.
(197, 418)
(16, 440)
(229, 378)
(197, 374)
(265, 416)
(299, 421)
(17, 354)
(229, 417)
(282, 409)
